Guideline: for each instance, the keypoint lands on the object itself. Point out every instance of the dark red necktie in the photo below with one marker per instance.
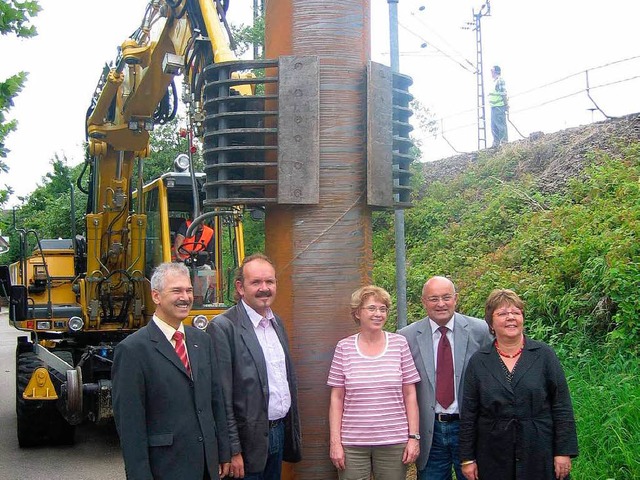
(181, 350)
(444, 371)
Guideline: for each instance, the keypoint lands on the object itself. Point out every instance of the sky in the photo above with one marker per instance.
(543, 48)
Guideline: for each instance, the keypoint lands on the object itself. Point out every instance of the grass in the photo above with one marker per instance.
(606, 400)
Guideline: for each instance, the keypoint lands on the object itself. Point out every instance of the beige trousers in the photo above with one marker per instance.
(384, 461)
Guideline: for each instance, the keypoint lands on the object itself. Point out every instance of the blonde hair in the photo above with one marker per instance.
(363, 293)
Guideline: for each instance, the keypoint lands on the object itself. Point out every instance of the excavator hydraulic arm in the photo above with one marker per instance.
(133, 94)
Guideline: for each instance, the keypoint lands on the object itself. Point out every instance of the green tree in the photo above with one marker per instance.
(424, 119)
(247, 37)
(166, 145)
(54, 197)
(15, 18)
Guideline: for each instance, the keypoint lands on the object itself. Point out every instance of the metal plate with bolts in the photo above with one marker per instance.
(299, 130)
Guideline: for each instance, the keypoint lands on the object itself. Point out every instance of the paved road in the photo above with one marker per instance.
(96, 455)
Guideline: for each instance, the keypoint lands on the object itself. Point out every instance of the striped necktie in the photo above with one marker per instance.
(181, 350)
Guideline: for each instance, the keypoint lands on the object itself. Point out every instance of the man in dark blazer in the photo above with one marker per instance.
(258, 379)
(439, 424)
(167, 402)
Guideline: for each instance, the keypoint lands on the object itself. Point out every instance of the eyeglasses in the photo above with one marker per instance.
(444, 298)
(374, 309)
(505, 314)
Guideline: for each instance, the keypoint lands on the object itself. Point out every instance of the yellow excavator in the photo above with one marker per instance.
(76, 298)
(258, 124)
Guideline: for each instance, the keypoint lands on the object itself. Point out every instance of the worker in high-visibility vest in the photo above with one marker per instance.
(499, 107)
(201, 241)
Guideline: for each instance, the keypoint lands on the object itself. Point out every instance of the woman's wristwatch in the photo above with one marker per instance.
(415, 436)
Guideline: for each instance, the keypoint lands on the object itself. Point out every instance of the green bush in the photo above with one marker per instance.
(573, 256)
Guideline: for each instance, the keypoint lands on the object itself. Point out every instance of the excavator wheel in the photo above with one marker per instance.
(39, 421)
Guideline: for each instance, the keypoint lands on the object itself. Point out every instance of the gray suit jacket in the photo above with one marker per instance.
(469, 334)
(170, 425)
(244, 381)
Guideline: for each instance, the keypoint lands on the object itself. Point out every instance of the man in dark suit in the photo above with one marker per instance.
(439, 424)
(167, 395)
(258, 379)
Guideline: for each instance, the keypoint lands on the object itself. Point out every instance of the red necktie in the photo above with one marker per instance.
(181, 350)
(444, 372)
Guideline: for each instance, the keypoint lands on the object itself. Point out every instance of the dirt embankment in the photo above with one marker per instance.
(553, 158)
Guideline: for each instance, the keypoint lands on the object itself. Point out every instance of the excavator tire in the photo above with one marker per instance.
(39, 421)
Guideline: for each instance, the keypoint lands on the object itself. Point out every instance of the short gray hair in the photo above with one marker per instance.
(161, 272)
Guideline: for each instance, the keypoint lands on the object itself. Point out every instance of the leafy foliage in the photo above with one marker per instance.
(53, 197)
(425, 120)
(573, 257)
(14, 18)
(8, 90)
(607, 411)
(166, 144)
(253, 235)
(248, 36)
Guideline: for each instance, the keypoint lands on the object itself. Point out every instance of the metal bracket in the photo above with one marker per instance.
(51, 360)
(299, 130)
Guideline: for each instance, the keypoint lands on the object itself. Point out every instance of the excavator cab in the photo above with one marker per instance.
(212, 252)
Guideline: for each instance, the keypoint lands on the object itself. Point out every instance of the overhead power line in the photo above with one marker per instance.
(555, 82)
(580, 91)
(441, 38)
(432, 45)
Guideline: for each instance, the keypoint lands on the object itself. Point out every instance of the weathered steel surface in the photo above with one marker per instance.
(323, 252)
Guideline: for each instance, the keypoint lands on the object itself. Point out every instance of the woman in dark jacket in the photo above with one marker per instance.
(516, 417)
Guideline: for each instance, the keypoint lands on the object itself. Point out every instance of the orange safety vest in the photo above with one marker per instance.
(190, 243)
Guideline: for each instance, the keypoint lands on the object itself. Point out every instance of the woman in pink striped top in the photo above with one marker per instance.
(373, 417)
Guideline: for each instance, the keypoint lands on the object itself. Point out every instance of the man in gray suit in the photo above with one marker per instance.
(439, 423)
(258, 379)
(167, 395)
